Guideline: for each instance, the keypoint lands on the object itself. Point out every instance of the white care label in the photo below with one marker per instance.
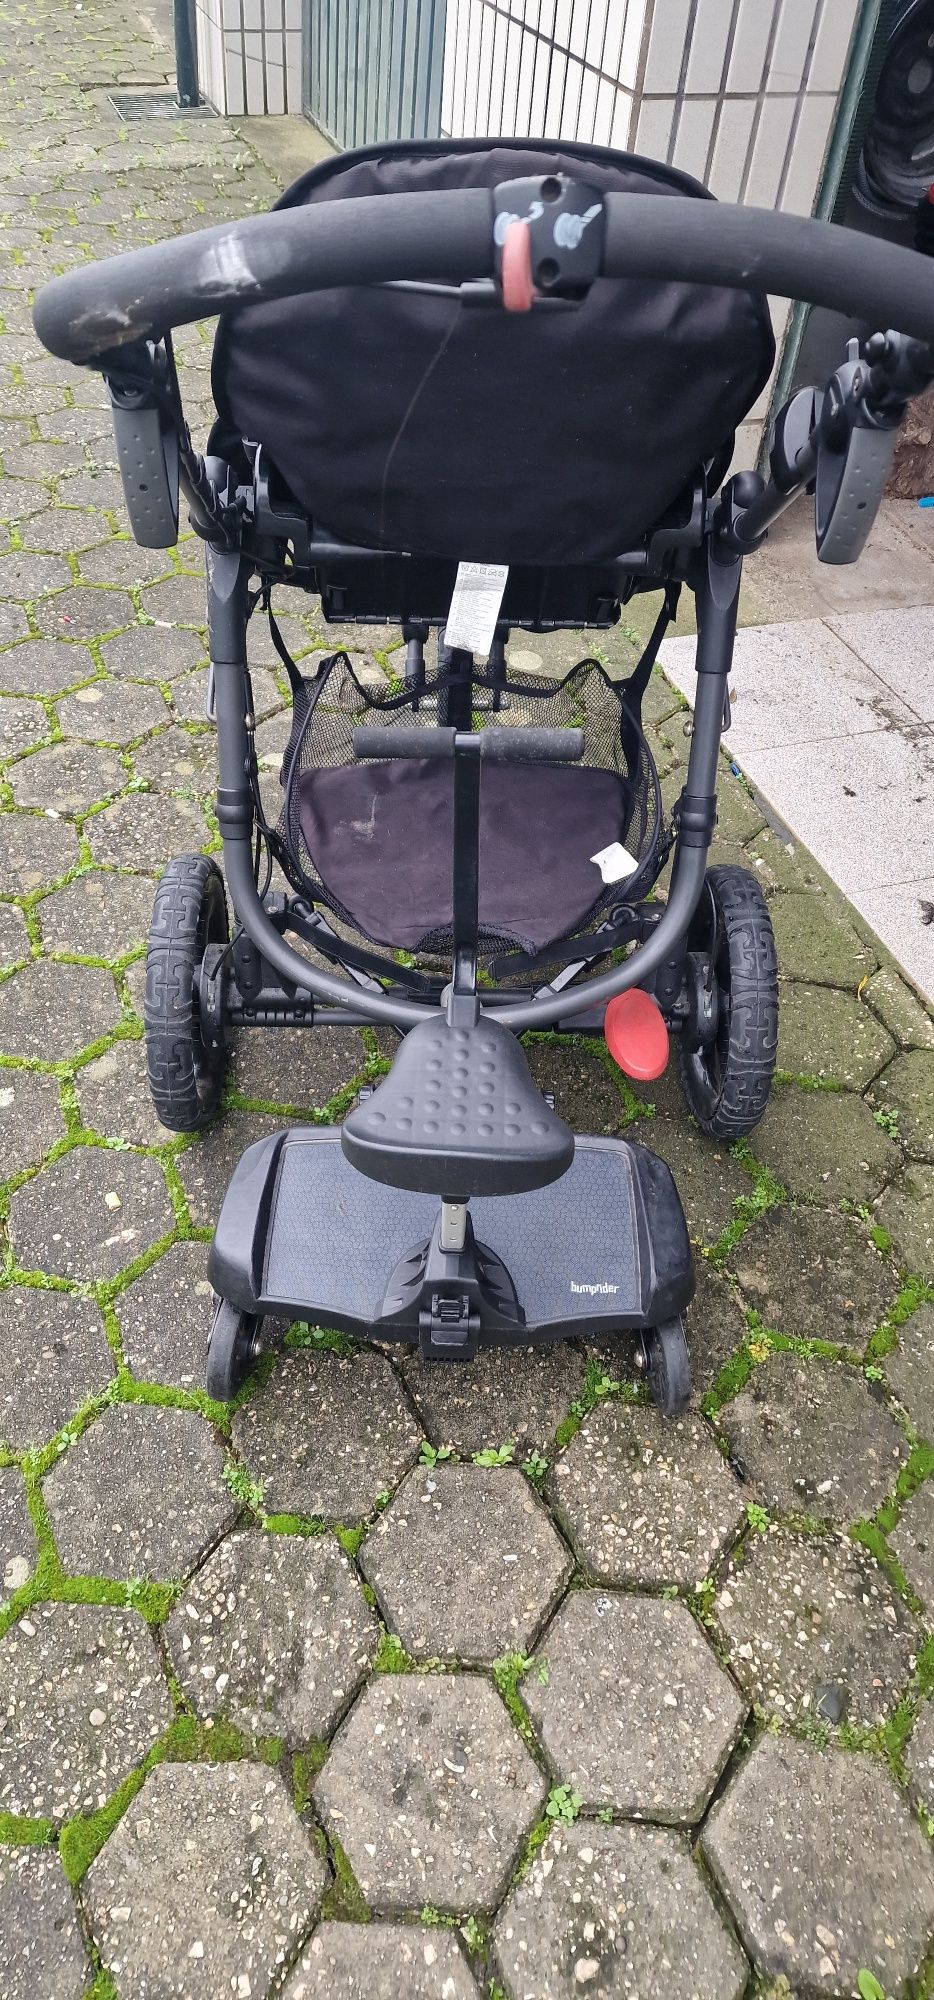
(615, 862)
(478, 594)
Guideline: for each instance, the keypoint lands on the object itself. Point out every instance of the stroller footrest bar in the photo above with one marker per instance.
(458, 1115)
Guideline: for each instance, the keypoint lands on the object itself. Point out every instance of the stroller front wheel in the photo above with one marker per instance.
(190, 913)
(726, 1071)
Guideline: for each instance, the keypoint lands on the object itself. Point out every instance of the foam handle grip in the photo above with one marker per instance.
(532, 746)
(371, 741)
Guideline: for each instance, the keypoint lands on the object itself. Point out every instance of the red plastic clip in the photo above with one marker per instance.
(636, 1035)
(516, 268)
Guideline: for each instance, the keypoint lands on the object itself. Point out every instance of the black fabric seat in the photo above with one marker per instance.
(458, 1115)
(381, 838)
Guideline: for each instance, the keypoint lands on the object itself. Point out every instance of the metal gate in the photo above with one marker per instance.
(373, 69)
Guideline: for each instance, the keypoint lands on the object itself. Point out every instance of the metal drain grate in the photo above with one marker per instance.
(131, 105)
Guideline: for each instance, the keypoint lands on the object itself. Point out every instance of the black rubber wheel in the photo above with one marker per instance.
(189, 913)
(667, 1367)
(727, 1080)
(233, 1348)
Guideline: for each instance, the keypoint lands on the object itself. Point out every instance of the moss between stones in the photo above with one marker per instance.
(344, 1901)
(18, 1832)
(305, 1767)
(508, 1671)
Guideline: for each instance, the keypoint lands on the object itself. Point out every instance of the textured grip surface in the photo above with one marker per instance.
(148, 460)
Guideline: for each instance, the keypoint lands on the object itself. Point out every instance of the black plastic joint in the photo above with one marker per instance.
(696, 815)
(566, 226)
(234, 809)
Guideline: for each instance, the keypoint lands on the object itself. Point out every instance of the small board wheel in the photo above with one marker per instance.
(667, 1367)
(189, 914)
(233, 1347)
(727, 1076)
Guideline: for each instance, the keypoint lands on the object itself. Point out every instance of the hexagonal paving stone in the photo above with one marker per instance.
(900, 1010)
(112, 711)
(52, 1011)
(825, 1145)
(145, 653)
(631, 1706)
(123, 562)
(586, 1094)
(275, 1633)
(30, 1119)
(99, 915)
(466, 1562)
(616, 1910)
(205, 1168)
(84, 613)
(380, 1961)
(17, 1539)
(83, 1700)
(817, 942)
(42, 667)
(22, 723)
(520, 1393)
(208, 1884)
(430, 1790)
(34, 851)
(70, 777)
(14, 937)
(180, 600)
(906, 1210)
(53, 1356)
(646, 1500)
(90, 1214)
(919, 1757)
(814, 1628)
(908, 1089)
(707, 1177)
(296, 1067)
(139, 1494)
(824, 1867)
(179, 760)
(144, 831)
(815, 1276)
(113, 1093)
(43, 1951)
(910, 1368)
(813, 1439)
(25, 576)
(830, 1035)
(14, 623)
(63, 529)
(912, 1542)
(715, 1326)
(326, 1434)
(165, 1318)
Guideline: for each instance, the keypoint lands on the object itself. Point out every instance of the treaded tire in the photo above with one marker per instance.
(727, 1082)
(189, 913)
(667, 1367)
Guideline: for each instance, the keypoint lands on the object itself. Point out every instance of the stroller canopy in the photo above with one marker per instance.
(404, 420)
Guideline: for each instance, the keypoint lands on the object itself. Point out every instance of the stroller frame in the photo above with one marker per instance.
(592, 1238)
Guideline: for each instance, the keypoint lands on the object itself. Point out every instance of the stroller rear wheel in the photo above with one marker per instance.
(233, 1348)
(667, 1367)
(189, 914)
(728, 1059)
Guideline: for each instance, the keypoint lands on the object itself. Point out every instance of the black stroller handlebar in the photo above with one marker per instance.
(448, 236)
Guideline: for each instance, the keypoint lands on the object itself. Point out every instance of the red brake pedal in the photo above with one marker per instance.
(636, 1035)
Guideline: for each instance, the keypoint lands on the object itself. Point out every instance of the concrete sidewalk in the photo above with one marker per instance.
(451, 1684)
(833, 715)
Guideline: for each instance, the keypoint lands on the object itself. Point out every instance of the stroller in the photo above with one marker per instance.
(475, 388)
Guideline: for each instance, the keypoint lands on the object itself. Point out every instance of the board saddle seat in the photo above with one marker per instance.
(458, 1115)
